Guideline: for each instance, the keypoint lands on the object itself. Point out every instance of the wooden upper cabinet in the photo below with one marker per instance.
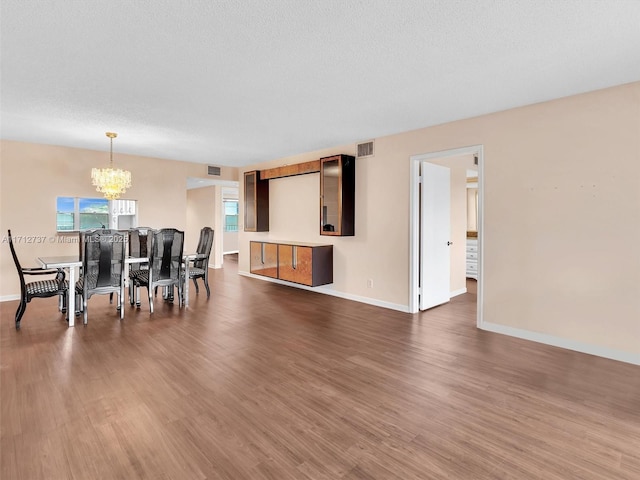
(256, 203)
(337, 195)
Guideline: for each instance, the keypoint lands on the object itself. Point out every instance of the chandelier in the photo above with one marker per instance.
(111, 182)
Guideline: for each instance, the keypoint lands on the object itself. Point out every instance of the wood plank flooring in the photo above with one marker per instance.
(264, 381)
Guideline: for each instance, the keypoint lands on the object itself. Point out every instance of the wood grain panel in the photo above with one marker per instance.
(264, 260)
(295, 264)
(290, 170)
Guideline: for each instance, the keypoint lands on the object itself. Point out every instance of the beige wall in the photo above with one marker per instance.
(32, 176)
(201, 204)
(561, 210)
(458, 229)
(204, 207)
(472, 209)
(218, 227)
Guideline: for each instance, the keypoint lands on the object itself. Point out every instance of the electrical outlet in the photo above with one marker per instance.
(370, 283)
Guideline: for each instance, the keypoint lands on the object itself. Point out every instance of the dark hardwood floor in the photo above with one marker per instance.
(264, 381)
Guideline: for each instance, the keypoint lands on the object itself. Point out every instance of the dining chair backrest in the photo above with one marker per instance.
(204, 248)
(17, 262)
(140, 242)
(103, 259)
(166, 255)
(81, 240)
(81, 248)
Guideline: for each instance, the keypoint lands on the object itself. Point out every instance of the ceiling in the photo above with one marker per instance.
(236, 82)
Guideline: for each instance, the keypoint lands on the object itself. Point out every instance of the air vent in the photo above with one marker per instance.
(365, 149)
(211, 170)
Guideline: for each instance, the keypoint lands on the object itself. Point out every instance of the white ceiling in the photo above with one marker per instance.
(235, 82)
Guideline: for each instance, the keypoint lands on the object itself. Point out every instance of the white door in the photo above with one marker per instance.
(435, 231)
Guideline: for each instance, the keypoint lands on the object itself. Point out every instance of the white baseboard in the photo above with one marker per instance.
(627, 357)
(8, 298)
(596, 350)
(455, 293)
(327, 290)
(230, 252)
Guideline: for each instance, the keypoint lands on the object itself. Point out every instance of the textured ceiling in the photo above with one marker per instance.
(238, 82)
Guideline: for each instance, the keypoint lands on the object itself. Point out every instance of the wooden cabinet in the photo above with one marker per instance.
(264, 259)
(472, 258)
(337, 195)
(256, 203)
(307, 264)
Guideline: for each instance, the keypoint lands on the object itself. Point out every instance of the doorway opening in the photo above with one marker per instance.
(420, 221)
(213, 203)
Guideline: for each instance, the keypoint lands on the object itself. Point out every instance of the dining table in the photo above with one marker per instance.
(128, 260)
(187, 259)
(70, 263)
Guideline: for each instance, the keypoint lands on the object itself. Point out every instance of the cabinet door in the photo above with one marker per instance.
(250, 201)
(295, 264)
(256, 203)
(264, 259)
(337, 194)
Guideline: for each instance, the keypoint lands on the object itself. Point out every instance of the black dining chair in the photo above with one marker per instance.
(102, 267)
(139, 247)
(165, 264)
(200, 268)
(38, 289)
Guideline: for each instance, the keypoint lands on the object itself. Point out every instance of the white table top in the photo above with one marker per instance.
(60, 261)
(136, 259)
(64, 261)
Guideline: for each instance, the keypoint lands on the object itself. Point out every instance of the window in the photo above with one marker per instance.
(230, 215)
(73, 213)
(65, 214)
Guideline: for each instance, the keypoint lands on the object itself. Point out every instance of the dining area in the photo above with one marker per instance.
(110, 262)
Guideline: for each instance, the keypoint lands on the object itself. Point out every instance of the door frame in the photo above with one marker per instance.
(414, 222)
